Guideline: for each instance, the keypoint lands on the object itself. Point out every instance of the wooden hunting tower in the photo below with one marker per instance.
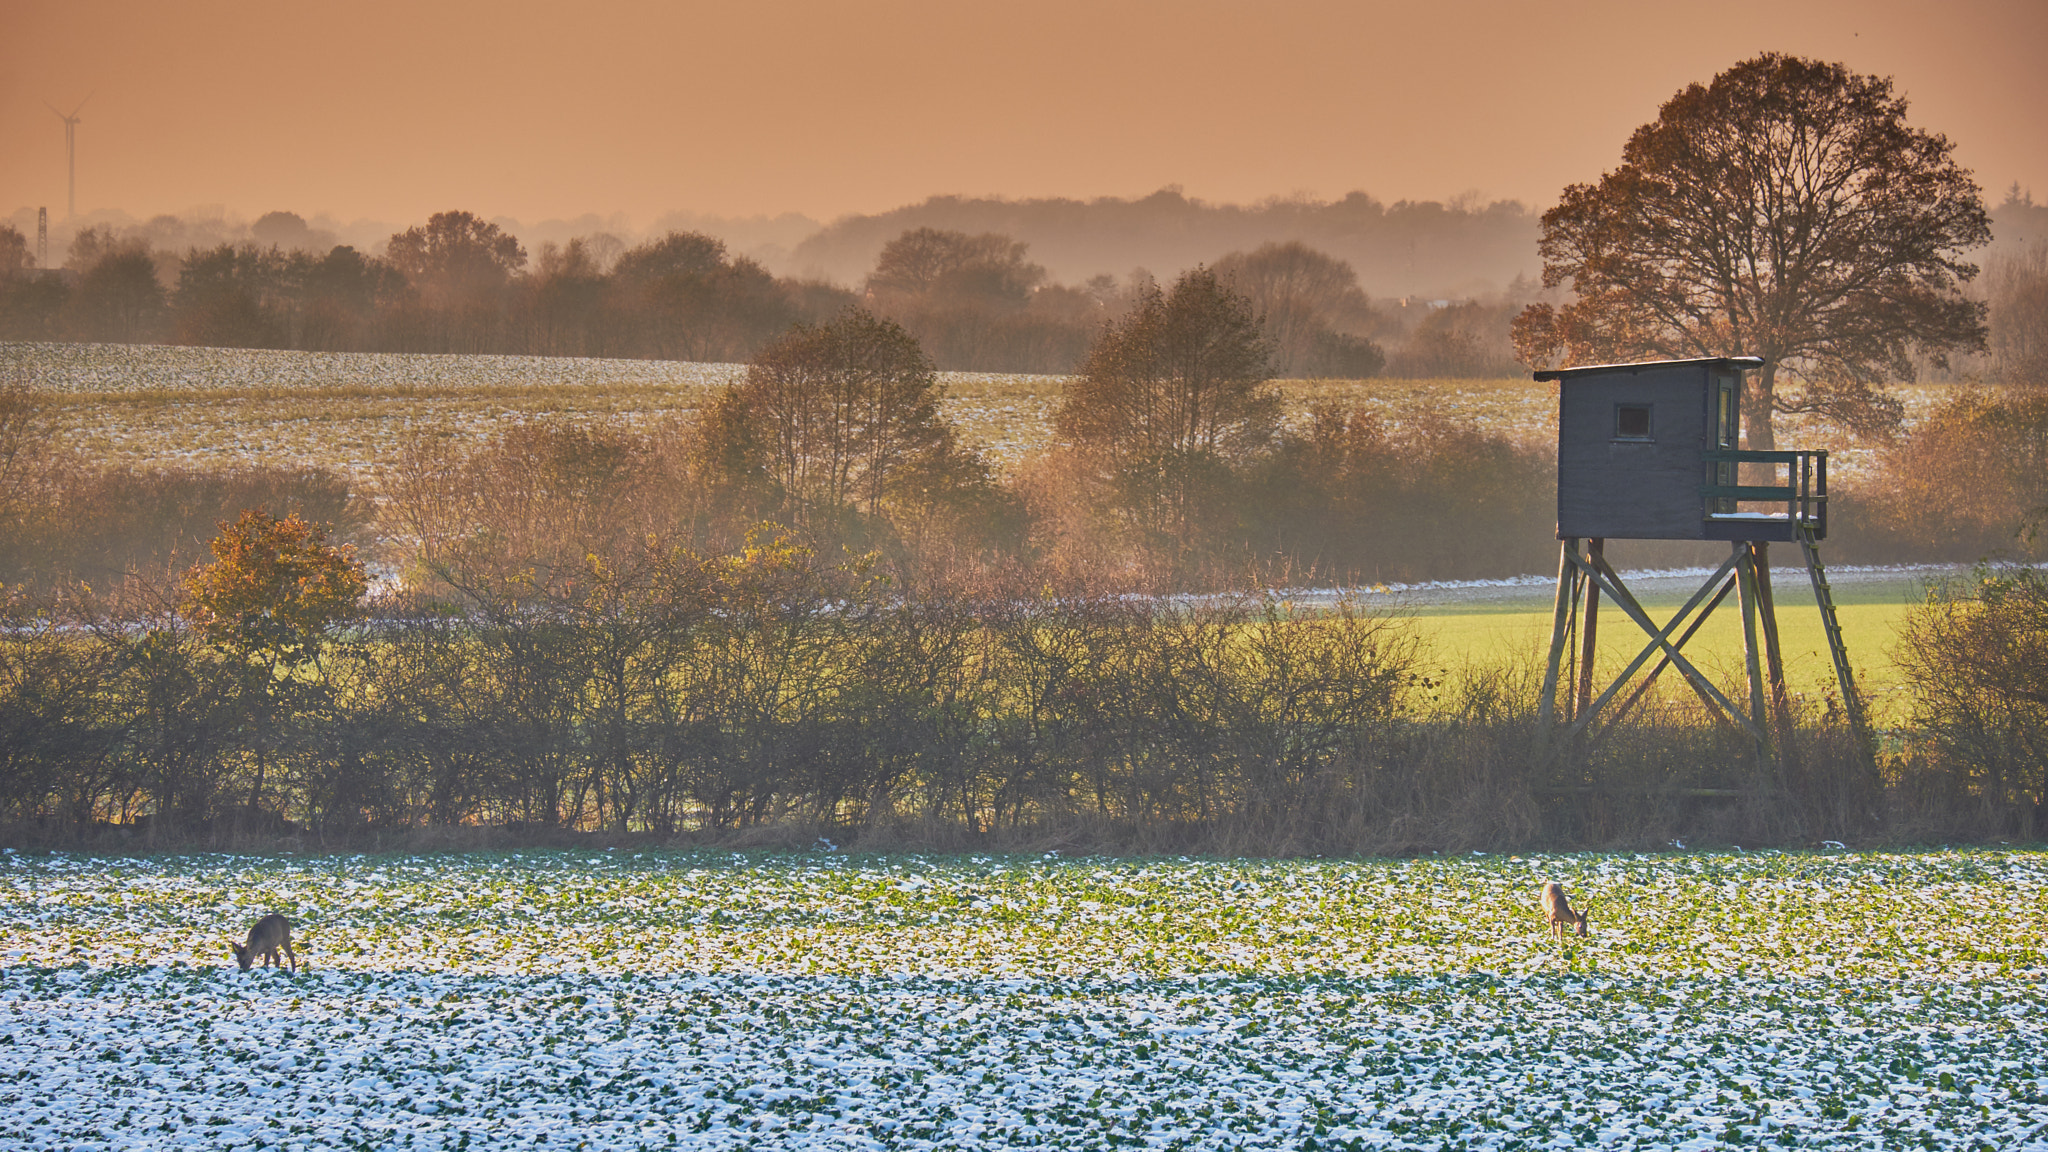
(1651, 451)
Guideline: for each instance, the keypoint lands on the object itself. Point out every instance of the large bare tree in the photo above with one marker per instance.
(1786, 210)
(840, 417)
(928, 264)
(1309, 301)
(1172, 399)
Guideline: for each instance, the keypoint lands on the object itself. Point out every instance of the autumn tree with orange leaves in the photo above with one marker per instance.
(268, 602)
(1787, 211)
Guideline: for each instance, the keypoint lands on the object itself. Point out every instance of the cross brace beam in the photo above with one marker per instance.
(1597, 570)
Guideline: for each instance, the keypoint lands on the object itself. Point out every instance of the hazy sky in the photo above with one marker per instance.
(392, 109)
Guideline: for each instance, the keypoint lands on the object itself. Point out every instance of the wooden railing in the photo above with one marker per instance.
(1804, 493)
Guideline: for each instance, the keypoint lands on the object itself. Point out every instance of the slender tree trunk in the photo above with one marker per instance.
(1756, 408)
(256, 791)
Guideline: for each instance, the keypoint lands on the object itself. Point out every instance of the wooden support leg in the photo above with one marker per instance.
(1583, 700)
(1774, 660)
(1610, 583)
(1752, 652)
(1560, 615)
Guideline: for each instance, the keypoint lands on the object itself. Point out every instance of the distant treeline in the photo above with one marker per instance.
(455, 284)
(1464, 248)
(460, 284)
(1351, 288)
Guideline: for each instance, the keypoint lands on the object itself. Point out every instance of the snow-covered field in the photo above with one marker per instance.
(626, 999)
(152, 405)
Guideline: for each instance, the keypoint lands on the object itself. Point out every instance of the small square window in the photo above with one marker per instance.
(1631, 421)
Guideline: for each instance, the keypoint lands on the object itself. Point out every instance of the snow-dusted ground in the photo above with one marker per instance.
(126, 368)
(698, 1000)
(155, 405)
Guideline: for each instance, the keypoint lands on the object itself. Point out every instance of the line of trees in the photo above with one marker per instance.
(455, 284)
(664, 692)
(975, 302)
(1409, 247)
(835, 432)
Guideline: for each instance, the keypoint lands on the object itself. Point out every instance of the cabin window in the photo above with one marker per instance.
(1632, 421)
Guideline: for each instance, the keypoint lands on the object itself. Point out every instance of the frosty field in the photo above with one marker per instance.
(153, 405)
(714, 1000)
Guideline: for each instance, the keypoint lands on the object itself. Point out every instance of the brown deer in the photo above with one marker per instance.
(265, 938)
(1558, 910)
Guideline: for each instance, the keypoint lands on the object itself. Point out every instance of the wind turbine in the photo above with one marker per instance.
(70, 152)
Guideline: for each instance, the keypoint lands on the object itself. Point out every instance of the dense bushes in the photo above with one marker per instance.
(1977, 658)
(1354, 499)
(668, 692)
(64, 519)
(1971, 482)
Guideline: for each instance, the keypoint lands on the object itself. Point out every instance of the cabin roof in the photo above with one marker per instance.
(1739, 363)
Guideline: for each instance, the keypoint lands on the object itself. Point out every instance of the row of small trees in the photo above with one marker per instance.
(460, 284)
(454, 284)
(666, 692)
(1173, 469)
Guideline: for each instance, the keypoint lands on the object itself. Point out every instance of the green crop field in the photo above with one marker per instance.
(642, 999)
(1515, 626)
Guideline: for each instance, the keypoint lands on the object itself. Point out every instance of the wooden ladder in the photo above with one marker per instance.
(1824, 595)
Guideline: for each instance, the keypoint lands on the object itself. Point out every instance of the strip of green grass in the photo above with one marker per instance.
(1870, 613)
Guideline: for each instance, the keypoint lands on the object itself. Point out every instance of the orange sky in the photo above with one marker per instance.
(392, 109)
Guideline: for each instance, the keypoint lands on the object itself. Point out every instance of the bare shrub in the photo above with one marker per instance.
(1970, 482)
(1976, 655)
(2017, 284)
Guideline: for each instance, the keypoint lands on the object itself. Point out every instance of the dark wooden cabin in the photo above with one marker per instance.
(1651, 451)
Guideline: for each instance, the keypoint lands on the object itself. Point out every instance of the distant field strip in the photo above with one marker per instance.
(152, 405)
(710, 1000)
(222, 407)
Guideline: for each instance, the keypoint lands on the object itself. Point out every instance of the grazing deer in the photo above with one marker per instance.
(1558, 910)
(265, 938)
